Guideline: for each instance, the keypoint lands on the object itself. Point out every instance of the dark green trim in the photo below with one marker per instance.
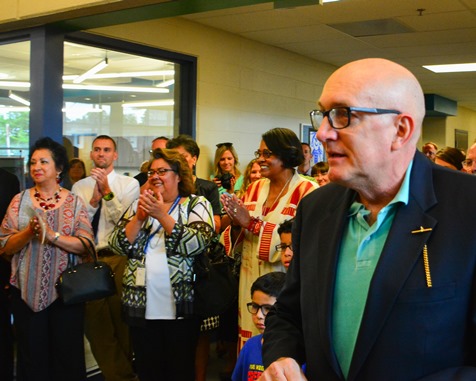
(151, 12)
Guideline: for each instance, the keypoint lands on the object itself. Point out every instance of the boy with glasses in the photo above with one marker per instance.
(264, 292)
(285, 247)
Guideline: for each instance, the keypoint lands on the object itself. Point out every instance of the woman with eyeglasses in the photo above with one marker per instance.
(257, 215)
(227, 176)
(161, 233)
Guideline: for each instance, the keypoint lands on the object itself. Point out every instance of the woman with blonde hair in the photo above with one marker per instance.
(227, 175)
(252, 173)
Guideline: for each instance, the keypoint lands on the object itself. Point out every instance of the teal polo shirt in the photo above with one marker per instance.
(360, 251)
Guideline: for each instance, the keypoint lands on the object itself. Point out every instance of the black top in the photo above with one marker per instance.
(209, 190)
(141, 177)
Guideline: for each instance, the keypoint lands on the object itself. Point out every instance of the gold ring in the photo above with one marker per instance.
(235, 210)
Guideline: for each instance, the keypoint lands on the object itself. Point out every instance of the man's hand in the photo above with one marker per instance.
(284, 369)
(100, 175)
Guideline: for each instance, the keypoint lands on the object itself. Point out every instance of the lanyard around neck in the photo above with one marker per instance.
(174, 205)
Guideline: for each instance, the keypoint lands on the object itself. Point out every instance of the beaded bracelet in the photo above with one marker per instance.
(254, 226)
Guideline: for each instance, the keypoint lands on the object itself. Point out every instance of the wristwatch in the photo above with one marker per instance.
(108, 197)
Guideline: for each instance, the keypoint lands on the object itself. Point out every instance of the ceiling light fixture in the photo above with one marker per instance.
(4, 109)
(19, 99)
(452, 68)
(16, 85)
(70, 86)
(96, 68)
(163, 102)
(168, 83)
(131, 89)
(124, 74)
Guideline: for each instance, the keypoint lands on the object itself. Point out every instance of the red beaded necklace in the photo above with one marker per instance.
(45, 203)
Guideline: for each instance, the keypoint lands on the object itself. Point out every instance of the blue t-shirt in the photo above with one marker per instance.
(249, 365)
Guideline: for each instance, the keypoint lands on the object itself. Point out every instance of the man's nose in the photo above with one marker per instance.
(325, 131)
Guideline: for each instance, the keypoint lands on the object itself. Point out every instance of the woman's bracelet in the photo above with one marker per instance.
(254, 226)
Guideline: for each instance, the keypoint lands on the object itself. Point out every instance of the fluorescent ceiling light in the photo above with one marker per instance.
(124, 74)
(131, 89)
(168, 83)
(4, 109)
(18, 85)
(70, 86)
(163, 102)
(453, 68)
(101, 65)
(72, 109)
(19, 99)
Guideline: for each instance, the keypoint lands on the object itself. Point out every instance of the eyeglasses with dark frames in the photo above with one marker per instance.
(253, 308)
(283, 247)
(160, 171)
(340, 117)
(467, 163)
(266, 154)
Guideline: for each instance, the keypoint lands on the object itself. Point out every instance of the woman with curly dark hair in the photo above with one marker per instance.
(161, 233)
(40, 229)
(267, 203)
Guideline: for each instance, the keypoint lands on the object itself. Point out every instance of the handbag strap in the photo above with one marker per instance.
(90, 249)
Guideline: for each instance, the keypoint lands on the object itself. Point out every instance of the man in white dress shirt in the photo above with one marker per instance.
(107, 195)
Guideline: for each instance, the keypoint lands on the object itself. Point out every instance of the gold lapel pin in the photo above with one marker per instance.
(422, 230)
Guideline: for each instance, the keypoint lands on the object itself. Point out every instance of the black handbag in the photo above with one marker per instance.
(86, 281)
(215, 286)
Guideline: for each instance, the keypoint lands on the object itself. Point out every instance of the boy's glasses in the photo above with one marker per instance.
(283, 247)
(253, 308)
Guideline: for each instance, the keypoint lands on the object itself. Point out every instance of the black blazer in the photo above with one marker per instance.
(408, 331)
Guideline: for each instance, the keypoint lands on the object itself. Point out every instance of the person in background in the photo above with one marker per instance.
(429, 149)
(160, 234)
(107, 195)
(159, 142)
(306, 167)
(320, 173)
(286, 245)
(228, 330)
(382, 282)
(267, 202)
(38, 232)
(9, 187)
(188, 148)
(227, 175)
(252, 173)
(469, 164)
(264, 292)
(450, 157)
(77, 171)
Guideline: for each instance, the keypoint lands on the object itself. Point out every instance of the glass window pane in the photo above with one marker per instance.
(128, 97)
(14, 106)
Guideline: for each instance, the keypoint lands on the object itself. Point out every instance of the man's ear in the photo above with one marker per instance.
(404, 130)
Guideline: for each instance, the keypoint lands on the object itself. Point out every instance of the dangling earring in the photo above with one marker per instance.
(58, 178)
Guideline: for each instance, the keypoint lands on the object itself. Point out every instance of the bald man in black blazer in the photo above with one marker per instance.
(382, 285)
(9, 187)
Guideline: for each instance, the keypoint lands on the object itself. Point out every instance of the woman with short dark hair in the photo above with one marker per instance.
(267, 203)
(40, 229)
